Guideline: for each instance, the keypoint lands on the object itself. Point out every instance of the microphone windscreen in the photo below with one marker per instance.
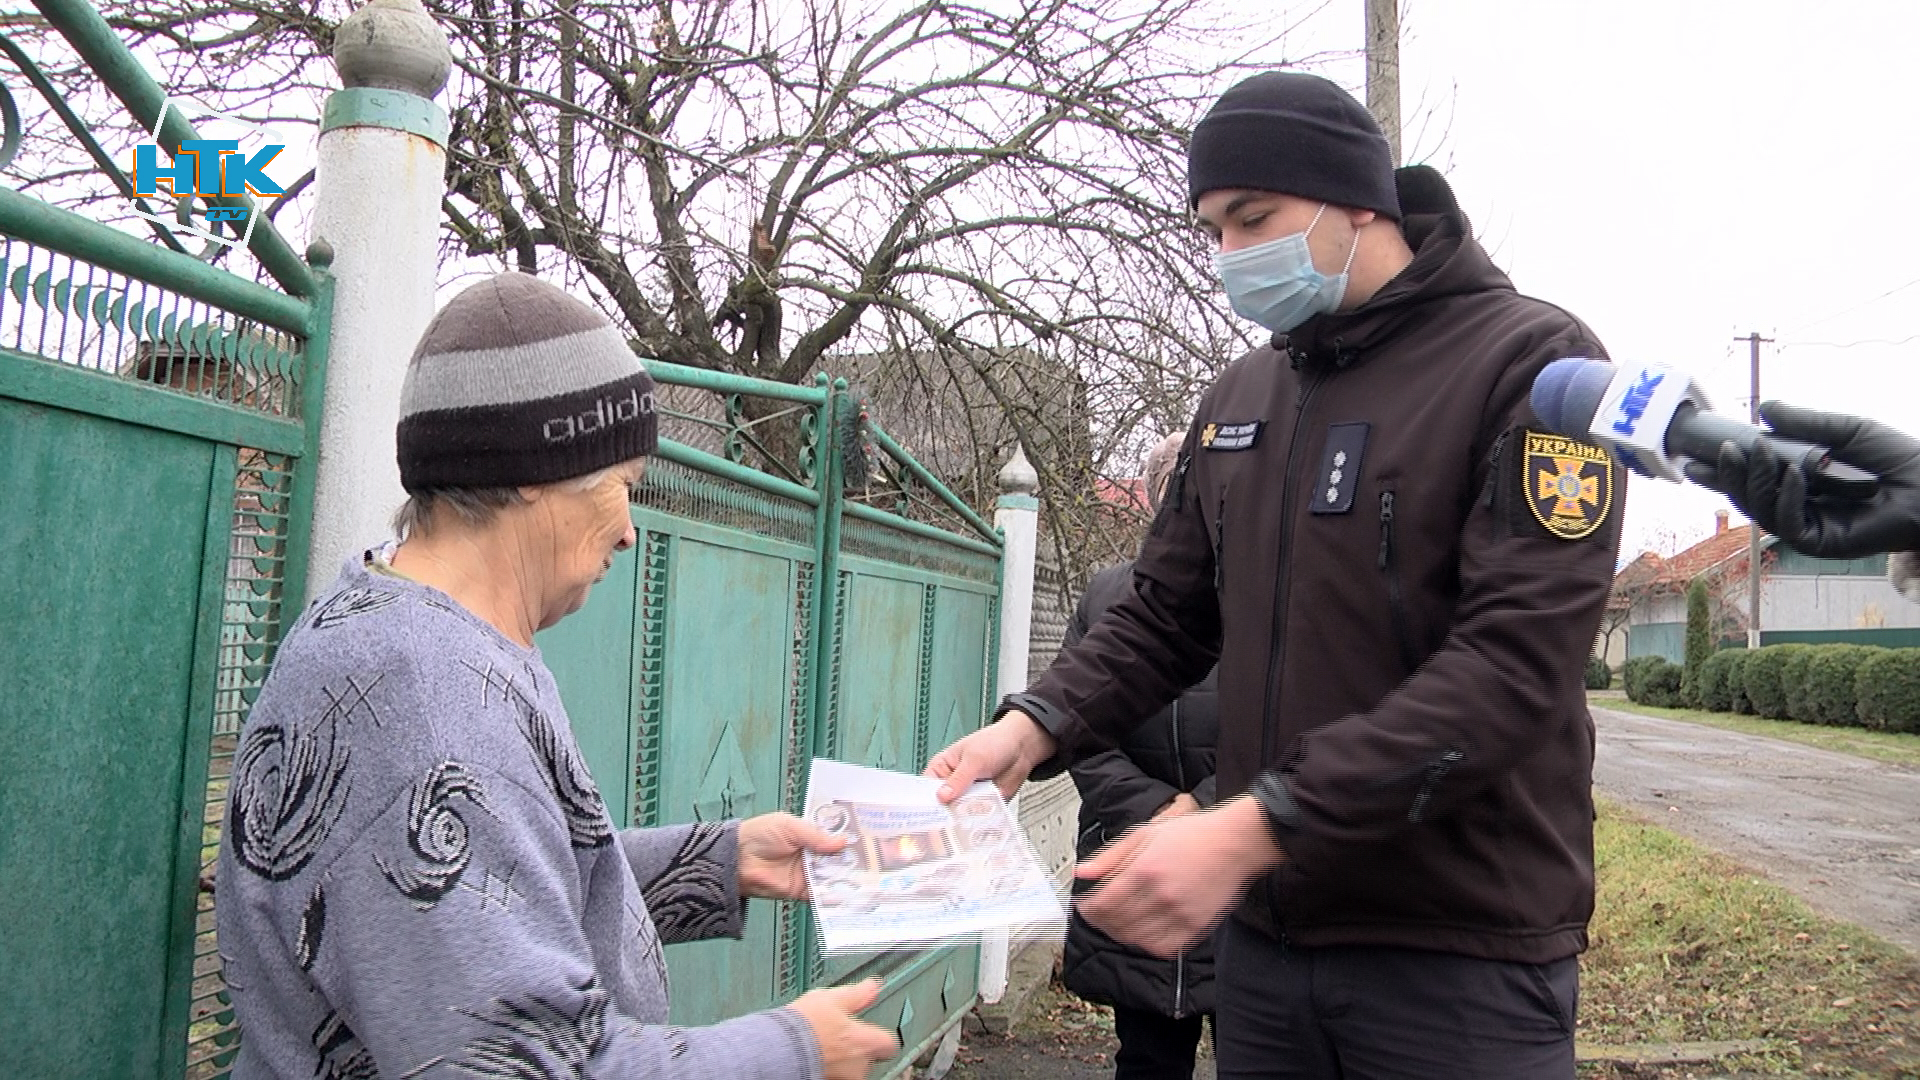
(1567, 393)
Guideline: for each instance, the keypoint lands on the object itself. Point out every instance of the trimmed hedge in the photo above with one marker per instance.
(1888, 689)
(1834, 684)
(1710, 686)
(1833, 677)
(1793, 683)
(1737, 699)
(1763, 680)
(1599, 675)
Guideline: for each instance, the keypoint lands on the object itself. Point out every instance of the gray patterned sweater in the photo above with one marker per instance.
(419, 879)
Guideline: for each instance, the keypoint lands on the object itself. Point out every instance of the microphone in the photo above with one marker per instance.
(1656, 419)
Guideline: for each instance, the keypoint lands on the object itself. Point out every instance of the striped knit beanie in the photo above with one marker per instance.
(515, 382)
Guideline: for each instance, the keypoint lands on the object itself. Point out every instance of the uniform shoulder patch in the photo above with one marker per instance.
(1567, 485)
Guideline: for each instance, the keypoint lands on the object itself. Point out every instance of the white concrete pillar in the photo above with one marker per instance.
(380, 181)
(1018, 518)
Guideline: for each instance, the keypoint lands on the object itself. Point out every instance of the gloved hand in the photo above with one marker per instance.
(1773, 491)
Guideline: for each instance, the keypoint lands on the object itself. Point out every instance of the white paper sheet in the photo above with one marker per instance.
(919, 873)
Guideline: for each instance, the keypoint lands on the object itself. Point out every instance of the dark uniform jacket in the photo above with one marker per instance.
(1401, 578)
(1168, 755)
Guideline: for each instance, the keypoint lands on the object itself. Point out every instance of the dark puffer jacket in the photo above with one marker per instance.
(1120, 788)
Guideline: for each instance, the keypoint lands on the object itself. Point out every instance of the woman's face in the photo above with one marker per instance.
(586, 528)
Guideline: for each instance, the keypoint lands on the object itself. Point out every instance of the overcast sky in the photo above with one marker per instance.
(1677, 172)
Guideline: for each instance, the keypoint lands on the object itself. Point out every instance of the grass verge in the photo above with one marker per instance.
(1894, 747)
(1688, 946)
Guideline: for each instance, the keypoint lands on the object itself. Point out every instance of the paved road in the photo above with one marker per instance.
(1840, 831)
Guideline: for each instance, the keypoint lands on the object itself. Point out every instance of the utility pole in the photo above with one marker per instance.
(1754, 341)
(1383, 69)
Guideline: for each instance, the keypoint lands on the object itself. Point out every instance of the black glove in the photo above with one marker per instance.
(1773, 491)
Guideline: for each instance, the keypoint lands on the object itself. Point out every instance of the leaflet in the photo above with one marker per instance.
(918, 873)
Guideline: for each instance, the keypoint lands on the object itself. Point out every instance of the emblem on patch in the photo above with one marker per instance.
(1569, 484)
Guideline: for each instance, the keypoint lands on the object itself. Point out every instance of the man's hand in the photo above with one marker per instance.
(1179, 806)
(1166, 884)
(1774, 491)
(848, 1047)
(1004, 752)
(770, 850)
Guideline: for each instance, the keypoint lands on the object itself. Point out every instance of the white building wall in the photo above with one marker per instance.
(1793, 602)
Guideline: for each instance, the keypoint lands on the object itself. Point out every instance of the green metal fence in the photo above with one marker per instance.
(770, 614)
(158, 421)
(158, 429)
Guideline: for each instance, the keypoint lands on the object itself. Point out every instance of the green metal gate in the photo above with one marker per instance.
(158, 429)
(158, 419)
(768, 615)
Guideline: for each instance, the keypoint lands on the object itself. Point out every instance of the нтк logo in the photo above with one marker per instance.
(208, 168)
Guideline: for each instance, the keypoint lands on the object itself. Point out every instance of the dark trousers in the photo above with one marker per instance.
(1284, 1013)
(1154, 1047)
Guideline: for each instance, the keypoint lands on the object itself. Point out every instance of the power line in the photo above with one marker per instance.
(1848, 344)
(1856, 307)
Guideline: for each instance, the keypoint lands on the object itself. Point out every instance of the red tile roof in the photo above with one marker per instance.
(1725, 551)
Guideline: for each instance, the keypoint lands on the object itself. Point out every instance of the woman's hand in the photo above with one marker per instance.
(771, 846)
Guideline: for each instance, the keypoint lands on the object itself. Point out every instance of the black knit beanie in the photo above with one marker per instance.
(515, 382)
(1295, 134)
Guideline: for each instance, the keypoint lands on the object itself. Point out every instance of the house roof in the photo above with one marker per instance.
(1130, 494)
(1723, 551)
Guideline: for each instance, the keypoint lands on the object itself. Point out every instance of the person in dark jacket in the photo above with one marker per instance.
(1161, 769)
(1400, 574)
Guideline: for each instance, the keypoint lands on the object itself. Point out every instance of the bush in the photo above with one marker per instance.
(1699, 641)
(1599, 675)
(1832, 683)
(1737, 699)
(1660, 683)
(1888, 689)
(1763, 680)
(1793, 682)
(1711, 687)
(1633, 675)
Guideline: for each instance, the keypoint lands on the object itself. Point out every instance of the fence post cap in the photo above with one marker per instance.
(1017, 476)
(392, 45)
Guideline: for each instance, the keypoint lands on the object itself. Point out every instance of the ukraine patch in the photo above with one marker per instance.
(1230, 436)
(1568, 484)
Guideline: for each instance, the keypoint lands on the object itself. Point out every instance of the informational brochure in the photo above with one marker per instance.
(917, 873)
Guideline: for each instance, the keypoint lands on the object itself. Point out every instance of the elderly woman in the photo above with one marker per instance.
(418, 877)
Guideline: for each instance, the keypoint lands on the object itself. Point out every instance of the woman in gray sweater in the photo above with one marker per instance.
(418, 877)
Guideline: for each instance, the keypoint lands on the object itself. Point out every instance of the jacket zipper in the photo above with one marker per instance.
(1179, 981)
(1395, 602)
(1280, 583)
(1179, 767)
(1220, 545)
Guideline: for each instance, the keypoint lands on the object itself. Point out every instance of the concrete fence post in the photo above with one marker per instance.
(379, 182)
(1018, 518)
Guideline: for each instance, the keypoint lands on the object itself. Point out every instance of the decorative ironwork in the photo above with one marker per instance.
(923, 706)
(252, 621)
(59, 308)
(789, 965)
(892, 545)
(672, 488)
(652, 679)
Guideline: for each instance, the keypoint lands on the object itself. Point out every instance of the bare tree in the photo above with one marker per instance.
(772, 186)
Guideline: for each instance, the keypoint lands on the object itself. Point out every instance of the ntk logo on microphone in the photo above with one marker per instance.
(208, 169)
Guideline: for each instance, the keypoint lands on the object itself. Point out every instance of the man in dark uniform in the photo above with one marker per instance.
(1401, 576)
(1161, 769)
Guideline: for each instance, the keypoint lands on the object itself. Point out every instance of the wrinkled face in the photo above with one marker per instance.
(585, 528)
(1236, 218)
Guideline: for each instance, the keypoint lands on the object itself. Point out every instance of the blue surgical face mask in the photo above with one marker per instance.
(1276, 285)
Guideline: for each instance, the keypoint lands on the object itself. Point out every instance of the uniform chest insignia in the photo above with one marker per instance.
(1568, 484)
(1240, 436)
